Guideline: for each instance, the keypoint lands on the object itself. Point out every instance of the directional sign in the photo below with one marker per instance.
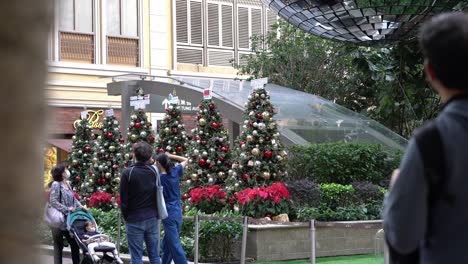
(207, 94)
(140, 102)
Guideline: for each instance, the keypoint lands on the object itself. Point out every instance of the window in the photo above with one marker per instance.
(214, 20)
(76, 30)
(123, 42)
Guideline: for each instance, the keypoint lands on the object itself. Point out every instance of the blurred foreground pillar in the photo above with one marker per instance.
(24, 26)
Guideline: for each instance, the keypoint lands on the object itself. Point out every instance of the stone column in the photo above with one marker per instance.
(24, 26)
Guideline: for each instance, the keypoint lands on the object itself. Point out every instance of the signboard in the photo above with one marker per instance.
(207, 94)
(110, 112)
(140, 101)
(258, 83)
(93, 117)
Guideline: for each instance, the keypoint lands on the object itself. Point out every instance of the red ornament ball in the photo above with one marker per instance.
(251, 124)
(204, 142)
(103, 181)
(211, 106)
(121, 140)
(179, 148)
(211, 166)
(245, 177)
(174, 131)
(77, 178)
(241, 143)
(221, 158)
(151, 139)
(87, 149)
(174, 113)
(215, 125)
(197, 137)
(202, 162)
(267, 154)
(137, 125)
(185, 196)
(224, 149)
(267, 138)
(259, 116)
(198, 116)
(160, 150)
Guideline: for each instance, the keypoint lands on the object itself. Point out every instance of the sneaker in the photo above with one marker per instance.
(118, 260)
(96, 258)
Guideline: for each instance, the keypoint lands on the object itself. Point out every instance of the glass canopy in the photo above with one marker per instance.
(306, 118)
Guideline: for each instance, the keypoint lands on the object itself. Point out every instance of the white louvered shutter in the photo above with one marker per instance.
(243, 27)
(271, 19)
(196, 32)
(256, 18)
(213, 24)
(181, 21)
(227, 26)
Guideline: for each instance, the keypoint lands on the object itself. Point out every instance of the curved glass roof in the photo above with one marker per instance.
(306, 118)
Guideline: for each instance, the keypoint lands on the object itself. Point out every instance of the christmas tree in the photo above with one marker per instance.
(108, 160)
(210, 158)
(80, 159)
(138, 130)
(172, 136)
(260, 154)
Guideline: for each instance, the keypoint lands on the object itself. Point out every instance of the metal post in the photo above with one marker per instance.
(312, 241)
(244, 239)
(197, 227)
(119, 224)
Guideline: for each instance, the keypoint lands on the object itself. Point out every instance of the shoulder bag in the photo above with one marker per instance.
(53, 217)
(160, 202)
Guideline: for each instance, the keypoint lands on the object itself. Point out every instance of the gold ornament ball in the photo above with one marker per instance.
(111, 148)
(256, 95)
(266, 115)
(133, 137)
(202, 121)
(255, 152)
(108, 175)
(266, 175)
(194, 176)
(221, 174)
(279, 158)
(117, 180)
(127, 156)
(249, 138)
(261, 141)
(74, 162)
(166, 130)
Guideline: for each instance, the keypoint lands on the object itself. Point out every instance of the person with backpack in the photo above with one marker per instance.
(425, 213)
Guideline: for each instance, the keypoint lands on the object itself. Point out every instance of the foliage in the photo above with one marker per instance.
(348, 213)
(340, 162)
(264, 201)
(172, 135)
(80, 159)
(210, 157)
(401, 99)
(290, 57)
(368, 192)
(304, 192)
(209, 199)
(108, 159)
(260, 155)
(140, 129)
(216, 238)
(337, 195)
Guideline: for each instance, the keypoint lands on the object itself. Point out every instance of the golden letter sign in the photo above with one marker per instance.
(93, 119)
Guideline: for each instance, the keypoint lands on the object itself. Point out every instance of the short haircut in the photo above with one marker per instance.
(142, 151)
(444, 42)
(57, 172)
(88, 223)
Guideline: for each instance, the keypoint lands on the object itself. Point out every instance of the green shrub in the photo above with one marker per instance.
(368, 192)
(348, 213)
(342, 163)
(337, 195)
(304, 192)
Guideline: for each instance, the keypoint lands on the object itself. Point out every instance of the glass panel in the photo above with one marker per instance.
(130, 18)
(84, 15)
(113, 17)
(66, 15)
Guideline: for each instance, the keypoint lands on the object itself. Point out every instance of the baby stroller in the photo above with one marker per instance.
(75, 225)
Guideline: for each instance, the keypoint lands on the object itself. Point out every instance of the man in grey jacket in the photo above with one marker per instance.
(444, 41)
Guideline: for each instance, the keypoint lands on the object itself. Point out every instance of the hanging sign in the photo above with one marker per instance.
(207, 94)
(110, 112)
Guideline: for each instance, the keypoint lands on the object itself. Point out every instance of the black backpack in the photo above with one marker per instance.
(430, 146)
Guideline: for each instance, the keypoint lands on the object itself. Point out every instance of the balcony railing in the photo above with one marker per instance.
(123, 51)
(76, 47)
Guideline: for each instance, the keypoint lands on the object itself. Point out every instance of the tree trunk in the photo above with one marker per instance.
(24, 26)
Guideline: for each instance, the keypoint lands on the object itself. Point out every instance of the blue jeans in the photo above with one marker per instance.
(172, 249)
(148, 232)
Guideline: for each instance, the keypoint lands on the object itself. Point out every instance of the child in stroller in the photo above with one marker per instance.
(94, 239)
(84, 230)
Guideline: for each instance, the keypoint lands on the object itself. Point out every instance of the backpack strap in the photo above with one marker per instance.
(130, 174)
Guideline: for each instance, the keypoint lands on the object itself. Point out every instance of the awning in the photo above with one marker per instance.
(64, 144)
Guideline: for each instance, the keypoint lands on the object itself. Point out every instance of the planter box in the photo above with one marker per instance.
(287, 242)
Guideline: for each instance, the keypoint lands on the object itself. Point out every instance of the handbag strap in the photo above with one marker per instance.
(130, 174)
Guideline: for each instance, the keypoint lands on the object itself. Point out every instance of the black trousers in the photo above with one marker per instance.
(57, 235)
